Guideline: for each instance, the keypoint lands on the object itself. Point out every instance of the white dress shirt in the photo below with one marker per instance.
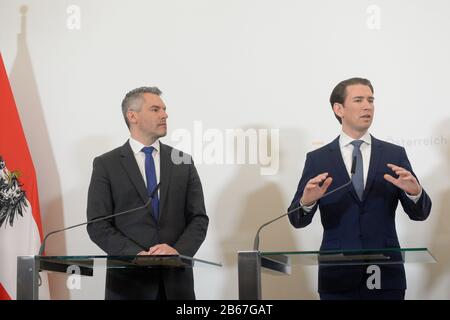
(136, 146)
(347, 151)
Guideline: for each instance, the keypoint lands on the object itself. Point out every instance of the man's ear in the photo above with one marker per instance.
(131, 116)
(338, 109)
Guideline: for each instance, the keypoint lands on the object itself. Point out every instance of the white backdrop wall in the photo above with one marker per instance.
(228, 65)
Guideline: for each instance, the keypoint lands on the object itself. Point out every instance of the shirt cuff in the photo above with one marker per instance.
(307, 209)
(414, 198)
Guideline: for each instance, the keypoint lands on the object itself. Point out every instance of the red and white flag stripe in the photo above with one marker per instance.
(20, 234)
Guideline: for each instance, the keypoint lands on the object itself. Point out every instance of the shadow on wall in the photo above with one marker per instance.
(84, 153)
(247, 201)
(439, 183)
(31, 112)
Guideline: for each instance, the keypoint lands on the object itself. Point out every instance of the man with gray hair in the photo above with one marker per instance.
(125, 178)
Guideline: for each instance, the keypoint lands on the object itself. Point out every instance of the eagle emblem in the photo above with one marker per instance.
(12, 197)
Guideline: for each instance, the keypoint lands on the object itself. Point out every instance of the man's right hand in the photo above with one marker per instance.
(313, 191)
(159, 249)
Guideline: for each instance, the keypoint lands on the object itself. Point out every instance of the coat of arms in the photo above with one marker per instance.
(12, 197)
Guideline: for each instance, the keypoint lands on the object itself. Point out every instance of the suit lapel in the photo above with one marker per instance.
(166, 165)
(375, 156)
(132, 169)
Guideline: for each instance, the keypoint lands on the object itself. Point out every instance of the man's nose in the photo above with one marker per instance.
(368, 105)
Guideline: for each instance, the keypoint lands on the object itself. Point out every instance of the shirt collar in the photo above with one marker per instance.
(345, 139)
(137, 146)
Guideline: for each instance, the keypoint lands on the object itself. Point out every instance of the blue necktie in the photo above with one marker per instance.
(150, 174)
(358, 177)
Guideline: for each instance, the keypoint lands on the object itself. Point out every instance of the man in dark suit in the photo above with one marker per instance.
(361, 216)
(125, 178)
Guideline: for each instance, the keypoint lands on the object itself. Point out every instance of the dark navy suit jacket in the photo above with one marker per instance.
(349, 223)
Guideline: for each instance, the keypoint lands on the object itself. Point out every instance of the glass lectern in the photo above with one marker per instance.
(251, 263)
(28, 267)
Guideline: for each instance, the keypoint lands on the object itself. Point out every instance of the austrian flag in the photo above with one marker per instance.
(20, 219)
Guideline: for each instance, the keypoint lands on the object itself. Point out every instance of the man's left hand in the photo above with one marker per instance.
(162, 249)
(405, 181)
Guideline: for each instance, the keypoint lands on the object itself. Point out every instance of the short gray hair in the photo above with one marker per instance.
(133, 100)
